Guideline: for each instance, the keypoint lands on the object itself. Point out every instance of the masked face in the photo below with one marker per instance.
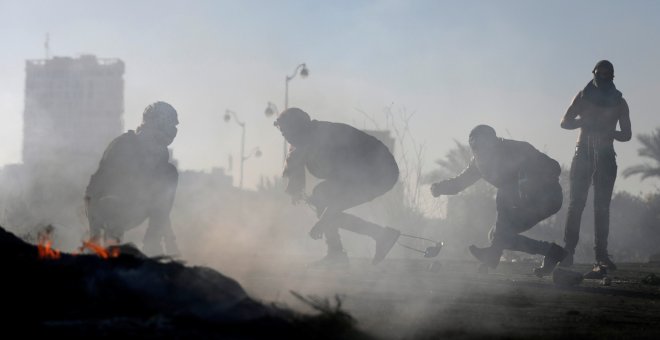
(483, 147)
(167, 135)
(294, 133)
(160, 134)
(603, 78)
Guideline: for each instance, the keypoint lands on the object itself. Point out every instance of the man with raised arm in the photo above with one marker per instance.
(528, 192)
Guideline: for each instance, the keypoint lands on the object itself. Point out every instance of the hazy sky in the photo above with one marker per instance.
(513, 64)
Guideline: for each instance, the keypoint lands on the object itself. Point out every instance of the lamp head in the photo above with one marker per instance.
(270, 110)
(304, 72)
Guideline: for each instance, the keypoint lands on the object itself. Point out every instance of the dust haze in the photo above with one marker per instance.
(420, 101)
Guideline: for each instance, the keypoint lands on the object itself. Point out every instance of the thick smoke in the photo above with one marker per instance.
(259, 238)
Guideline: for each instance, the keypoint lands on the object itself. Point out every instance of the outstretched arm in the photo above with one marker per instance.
(625, 134)
(457, 184)
(571, 120)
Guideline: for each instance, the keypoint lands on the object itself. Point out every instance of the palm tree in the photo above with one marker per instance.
(468, 215)
(651, 149)
(455, 161)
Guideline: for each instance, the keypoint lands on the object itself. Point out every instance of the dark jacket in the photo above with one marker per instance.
(513, 162)
(341, 152)
(127, 169)
(597, 119)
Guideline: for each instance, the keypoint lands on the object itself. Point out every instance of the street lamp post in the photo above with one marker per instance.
(304, 72)
(255, 151)
(271, 109)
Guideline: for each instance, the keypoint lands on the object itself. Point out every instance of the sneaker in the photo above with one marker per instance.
(605, 261)
(597, 273)
(555, 255)
(337, 260)
(489, 256)
(567, 261)
(384, 244)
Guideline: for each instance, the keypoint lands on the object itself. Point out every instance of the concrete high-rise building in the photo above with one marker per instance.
(73, 109)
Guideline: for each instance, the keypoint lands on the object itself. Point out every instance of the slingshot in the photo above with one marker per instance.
(430, 252)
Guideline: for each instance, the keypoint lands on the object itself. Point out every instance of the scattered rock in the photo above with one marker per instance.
(651, 279)
(606, 281)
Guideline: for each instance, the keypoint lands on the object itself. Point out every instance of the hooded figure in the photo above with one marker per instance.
(596, 111)
(356, 168)
(528, 192)
(135, 181)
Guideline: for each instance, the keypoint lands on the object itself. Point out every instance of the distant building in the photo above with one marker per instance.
(73, 109)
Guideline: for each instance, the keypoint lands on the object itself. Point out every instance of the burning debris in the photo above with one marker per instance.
(45, 243)
(112, 293)
(104, 253)
(47, 252)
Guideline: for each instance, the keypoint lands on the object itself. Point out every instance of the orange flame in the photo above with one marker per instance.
(104, 253)
(46, 252)
(44, 246)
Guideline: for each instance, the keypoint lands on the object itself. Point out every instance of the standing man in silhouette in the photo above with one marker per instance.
(596, 111)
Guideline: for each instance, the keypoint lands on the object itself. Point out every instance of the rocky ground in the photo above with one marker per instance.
(280, 296)
(418, 299)
(67, 295)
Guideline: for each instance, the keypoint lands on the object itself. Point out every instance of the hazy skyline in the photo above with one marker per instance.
(512, 64)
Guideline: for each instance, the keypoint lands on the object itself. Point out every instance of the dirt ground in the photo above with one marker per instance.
(424, 299)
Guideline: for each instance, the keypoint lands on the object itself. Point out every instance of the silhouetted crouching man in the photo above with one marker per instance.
(528, 192)
(596, 110)
(356, 168)
(135, 181)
